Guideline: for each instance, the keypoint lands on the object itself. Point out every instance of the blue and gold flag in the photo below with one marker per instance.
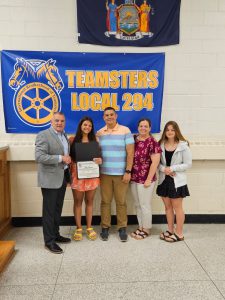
(142, 23)
(36, 84)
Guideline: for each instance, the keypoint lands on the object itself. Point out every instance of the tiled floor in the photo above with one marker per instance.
(148, 269)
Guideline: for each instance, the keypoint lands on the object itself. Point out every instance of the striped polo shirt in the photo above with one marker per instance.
(113, 145)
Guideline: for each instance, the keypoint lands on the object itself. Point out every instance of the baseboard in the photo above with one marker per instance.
(132, 219)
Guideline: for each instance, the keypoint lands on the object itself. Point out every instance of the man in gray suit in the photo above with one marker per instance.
(52, 155)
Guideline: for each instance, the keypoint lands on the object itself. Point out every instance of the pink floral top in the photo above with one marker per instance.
(142, 159)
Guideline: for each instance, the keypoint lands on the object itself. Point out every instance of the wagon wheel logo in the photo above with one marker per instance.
(36, 101)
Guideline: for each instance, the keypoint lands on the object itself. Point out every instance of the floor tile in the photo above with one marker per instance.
(149, 260)
(221, 286)
(32, 263)
(34, 292)
(31, 236)
(207, 243)
(28, 273)
(185, 290)
(146, 269)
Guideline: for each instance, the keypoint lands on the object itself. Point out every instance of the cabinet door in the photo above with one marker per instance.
(4, 189)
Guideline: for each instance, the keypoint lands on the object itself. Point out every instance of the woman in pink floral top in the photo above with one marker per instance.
(143, 176)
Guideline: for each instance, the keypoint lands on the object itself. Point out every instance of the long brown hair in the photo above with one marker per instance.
(79, 135)
(178, 135)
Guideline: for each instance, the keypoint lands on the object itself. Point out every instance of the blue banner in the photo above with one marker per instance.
(142, 23)
(37, 84)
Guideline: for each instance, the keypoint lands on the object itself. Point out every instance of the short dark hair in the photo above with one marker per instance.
(58, 113)
(145, 119)
(109, 108)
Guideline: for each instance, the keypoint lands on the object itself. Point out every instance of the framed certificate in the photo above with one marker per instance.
(87, 169)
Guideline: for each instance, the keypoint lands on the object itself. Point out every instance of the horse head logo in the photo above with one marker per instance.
(50, 71)
(37, 85)
(21, 69)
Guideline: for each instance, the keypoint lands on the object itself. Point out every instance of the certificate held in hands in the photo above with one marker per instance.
(85, 153)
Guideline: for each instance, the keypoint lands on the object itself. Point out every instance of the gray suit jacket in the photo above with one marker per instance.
(47, 151)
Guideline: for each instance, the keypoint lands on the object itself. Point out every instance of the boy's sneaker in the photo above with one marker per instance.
(123, 234)
(104, 235)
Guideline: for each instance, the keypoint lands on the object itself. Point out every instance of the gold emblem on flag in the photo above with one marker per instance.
(37, 86)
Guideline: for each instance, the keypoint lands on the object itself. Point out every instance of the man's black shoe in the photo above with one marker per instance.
(123, 234)
(54, 248)
(104, 235)
(62, 239)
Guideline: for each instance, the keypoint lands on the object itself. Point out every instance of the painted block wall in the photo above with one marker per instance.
(194, 93)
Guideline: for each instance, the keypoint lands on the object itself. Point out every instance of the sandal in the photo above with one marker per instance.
(141, 235)
(78, 234)
(91, 234)
(165, 234)
(134, 233)
(173, 238)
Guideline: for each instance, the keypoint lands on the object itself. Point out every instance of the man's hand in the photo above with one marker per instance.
(66, 159)
(126, 178)
(97, 160)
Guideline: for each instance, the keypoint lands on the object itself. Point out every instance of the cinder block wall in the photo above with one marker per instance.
(206, 182)
(193, 94)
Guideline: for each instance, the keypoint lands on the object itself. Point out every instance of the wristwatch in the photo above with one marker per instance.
(128, 171)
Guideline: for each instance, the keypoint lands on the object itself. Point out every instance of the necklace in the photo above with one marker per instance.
(142, 138)
(170, 147)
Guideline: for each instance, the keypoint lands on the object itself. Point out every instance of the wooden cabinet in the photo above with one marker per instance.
(5, 205)
(6, 247)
